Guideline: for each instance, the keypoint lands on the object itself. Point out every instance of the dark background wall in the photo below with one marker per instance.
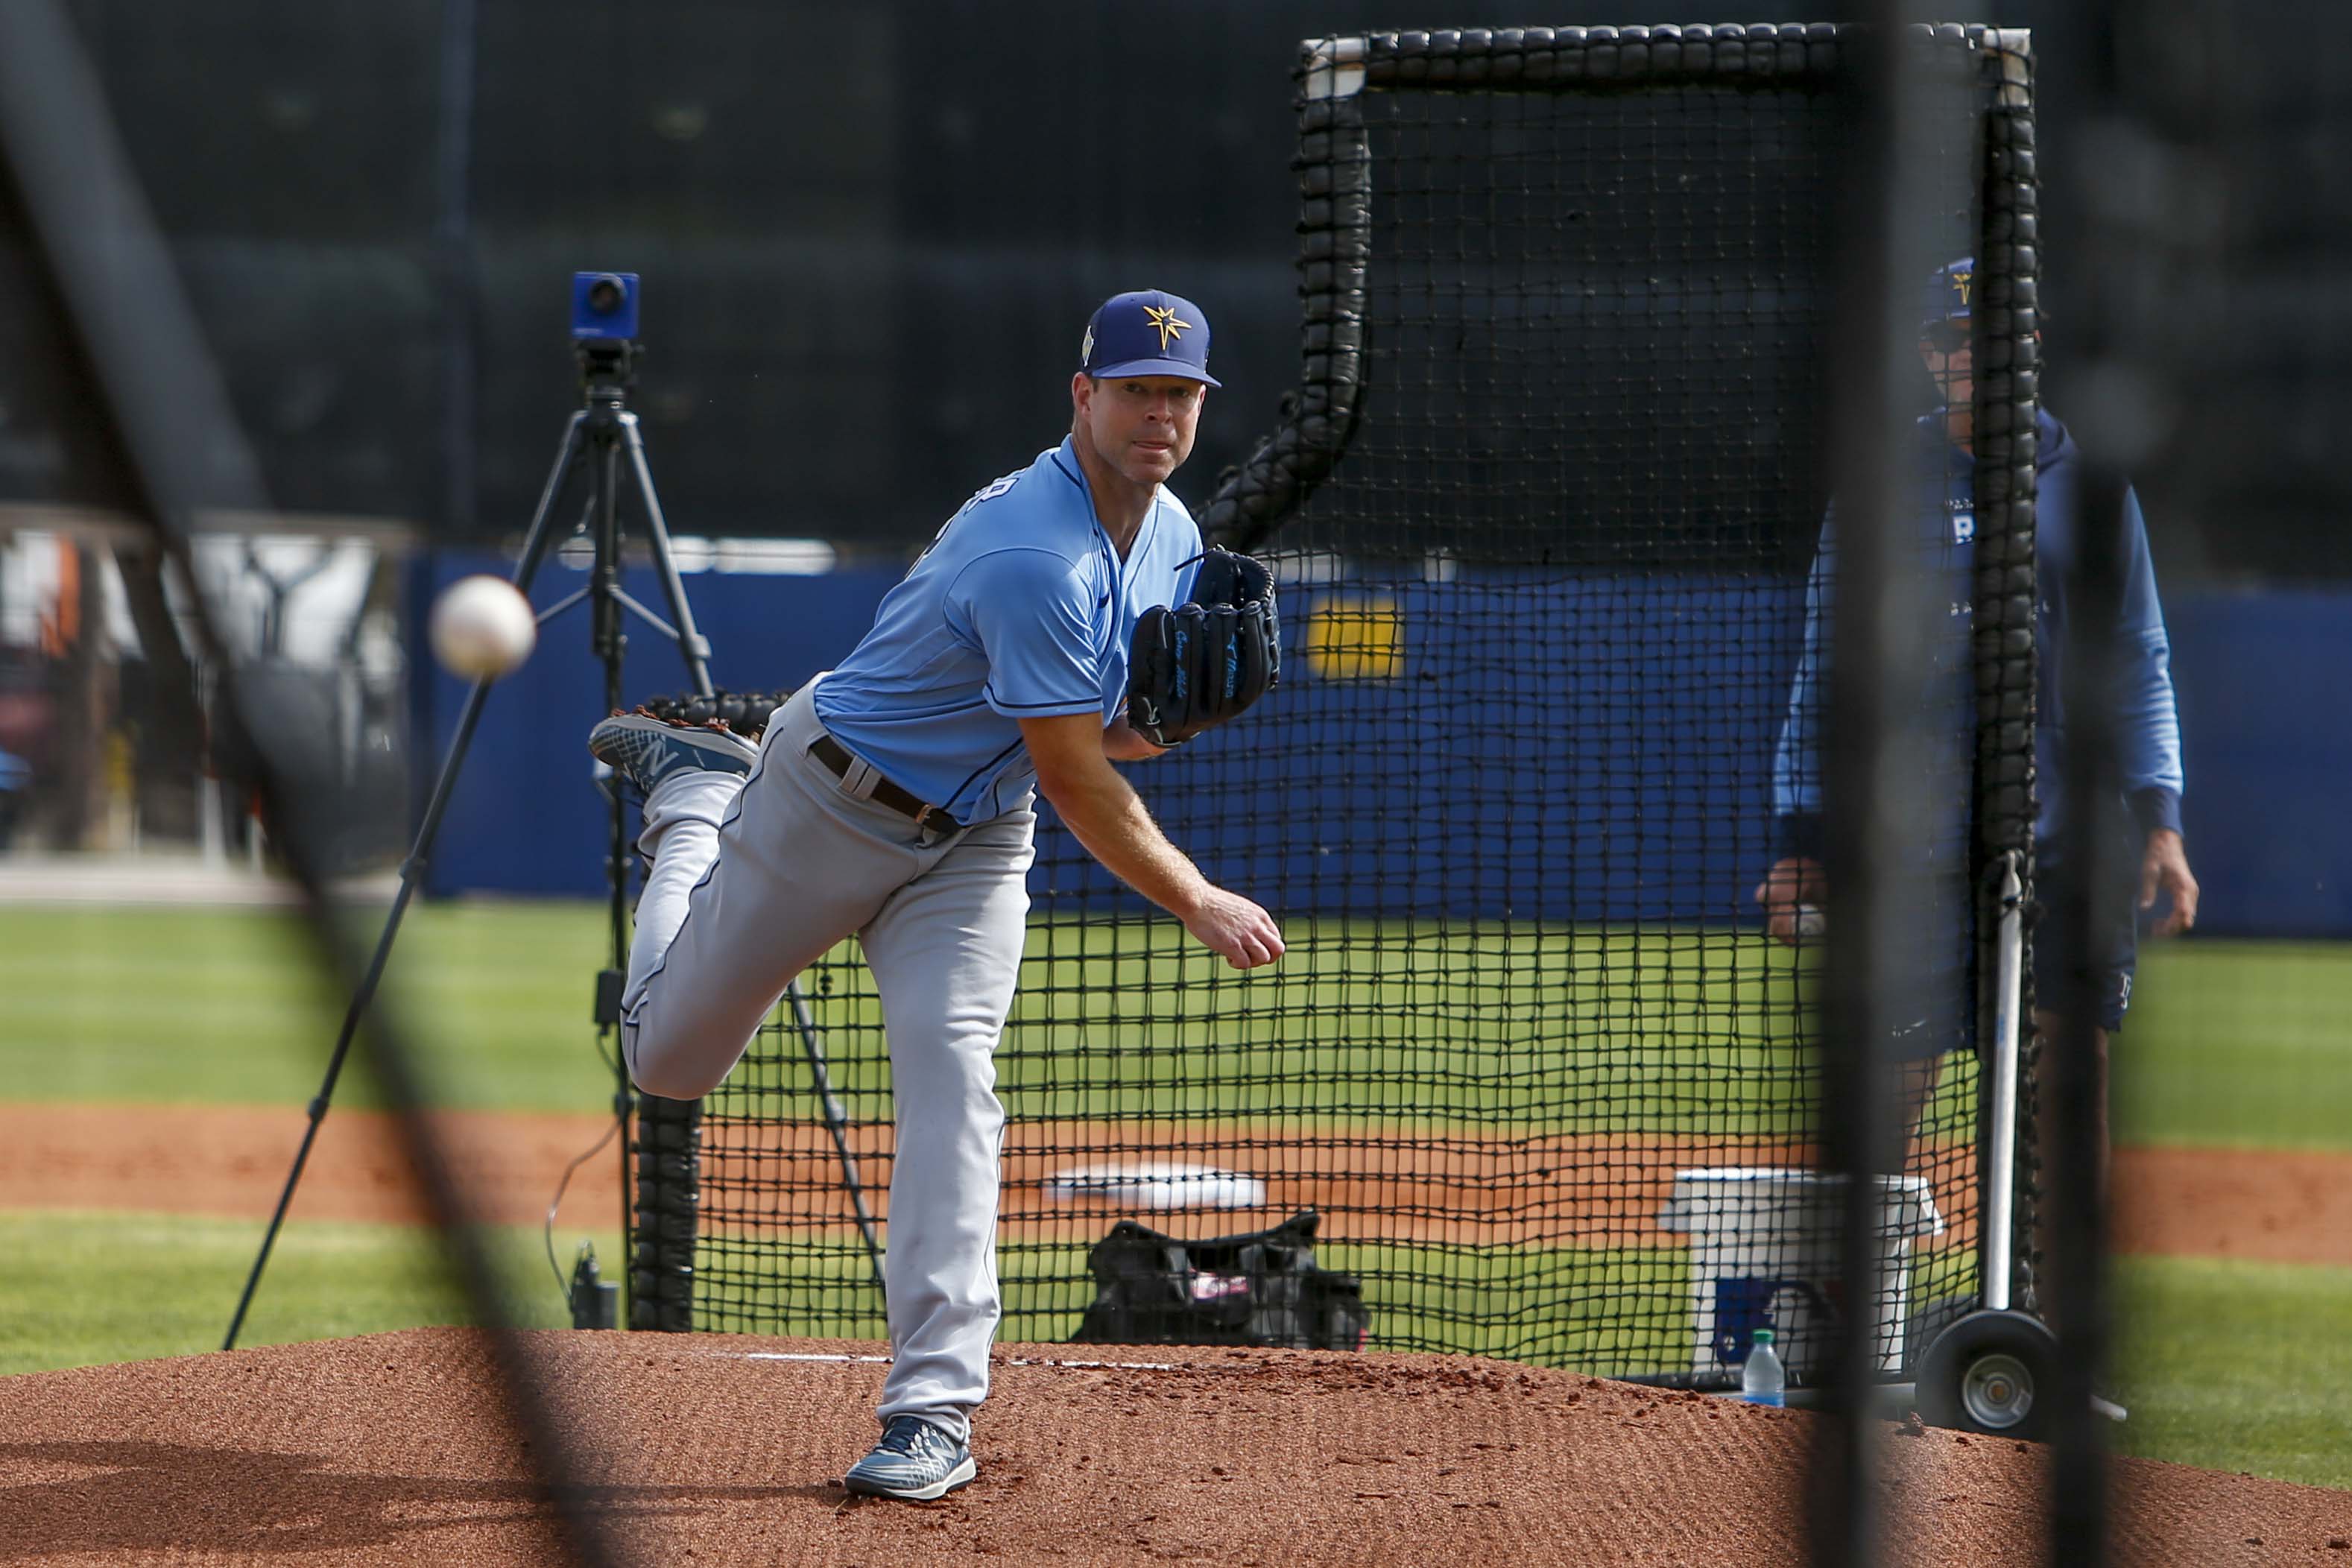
(870, 235)
(869, 231)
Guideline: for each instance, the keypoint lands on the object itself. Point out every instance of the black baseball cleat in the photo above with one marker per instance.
(914, 1462)
(745, 713)
(645, 749)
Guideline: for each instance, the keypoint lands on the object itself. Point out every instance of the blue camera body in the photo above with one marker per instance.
(604, 305)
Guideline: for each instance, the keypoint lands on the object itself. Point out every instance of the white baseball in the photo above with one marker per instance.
(481, 627)
(1811, 921)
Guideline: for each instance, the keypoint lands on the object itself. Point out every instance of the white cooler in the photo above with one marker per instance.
(1764, 1255)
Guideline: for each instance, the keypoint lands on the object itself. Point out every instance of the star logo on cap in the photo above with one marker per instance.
(1163, 319)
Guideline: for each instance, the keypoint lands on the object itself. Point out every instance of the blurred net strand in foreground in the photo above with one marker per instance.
(180, 447)
(1889, 854)
(1528, 1057)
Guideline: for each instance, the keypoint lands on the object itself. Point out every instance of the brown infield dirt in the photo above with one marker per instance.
(2269, 1205)
(709, 1449)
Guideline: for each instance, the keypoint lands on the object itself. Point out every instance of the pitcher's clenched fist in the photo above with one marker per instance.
(1794, 895)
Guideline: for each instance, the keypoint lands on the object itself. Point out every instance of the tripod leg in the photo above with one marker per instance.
(691, 644)
(696, 650)
(534, 550)
(535, 541)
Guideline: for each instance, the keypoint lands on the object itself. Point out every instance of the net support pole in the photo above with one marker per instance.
(2001, 1180)
(2007, 595)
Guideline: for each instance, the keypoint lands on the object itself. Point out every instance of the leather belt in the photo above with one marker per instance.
(838, 761)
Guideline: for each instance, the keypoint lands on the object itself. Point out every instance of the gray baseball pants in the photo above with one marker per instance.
(752, 880)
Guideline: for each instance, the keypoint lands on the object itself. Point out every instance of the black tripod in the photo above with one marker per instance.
(596, 439)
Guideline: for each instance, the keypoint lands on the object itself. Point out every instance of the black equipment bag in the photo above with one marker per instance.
(1258, 1290)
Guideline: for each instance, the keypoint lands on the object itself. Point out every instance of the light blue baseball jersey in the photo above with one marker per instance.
(1020, 609)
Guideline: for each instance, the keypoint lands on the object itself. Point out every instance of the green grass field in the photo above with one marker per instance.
(2244, 1044)
(224, 1006)
(1549, 1306)
(83, 1288)
(2236, 1366)
(2224, 1364)
(2230, 1043)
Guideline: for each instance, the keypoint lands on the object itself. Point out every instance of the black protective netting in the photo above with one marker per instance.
(1529, 1056)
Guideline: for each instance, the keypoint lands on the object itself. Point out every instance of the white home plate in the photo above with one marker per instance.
(1158, 1185)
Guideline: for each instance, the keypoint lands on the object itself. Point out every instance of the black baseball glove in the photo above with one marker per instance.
(1193, 667)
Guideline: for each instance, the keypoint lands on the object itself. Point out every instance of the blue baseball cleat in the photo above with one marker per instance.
(646, 750)
(914, 1462)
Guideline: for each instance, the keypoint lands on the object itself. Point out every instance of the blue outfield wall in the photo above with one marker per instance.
(2265, 682)
(1588, 748)
(1661, 761)
(1652, 770)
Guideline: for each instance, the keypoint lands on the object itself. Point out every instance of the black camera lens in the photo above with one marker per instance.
(605, 295)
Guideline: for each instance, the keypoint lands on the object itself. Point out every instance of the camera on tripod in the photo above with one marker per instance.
(604, 304)
(605, 324)
(603, 453)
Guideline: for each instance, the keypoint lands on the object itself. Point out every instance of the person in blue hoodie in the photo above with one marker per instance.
(2148, 730)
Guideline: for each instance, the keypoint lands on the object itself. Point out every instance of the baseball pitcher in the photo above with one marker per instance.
(1064, 618)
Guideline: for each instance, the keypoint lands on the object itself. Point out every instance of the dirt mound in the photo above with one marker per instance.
(717, 1450)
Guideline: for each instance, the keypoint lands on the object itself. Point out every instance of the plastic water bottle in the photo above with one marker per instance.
(1763, 1380)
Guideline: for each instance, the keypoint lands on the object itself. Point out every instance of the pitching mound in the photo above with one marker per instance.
(716, 1449)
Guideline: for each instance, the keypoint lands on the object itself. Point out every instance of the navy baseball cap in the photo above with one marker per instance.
(1148, 332)
(1952, 288)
